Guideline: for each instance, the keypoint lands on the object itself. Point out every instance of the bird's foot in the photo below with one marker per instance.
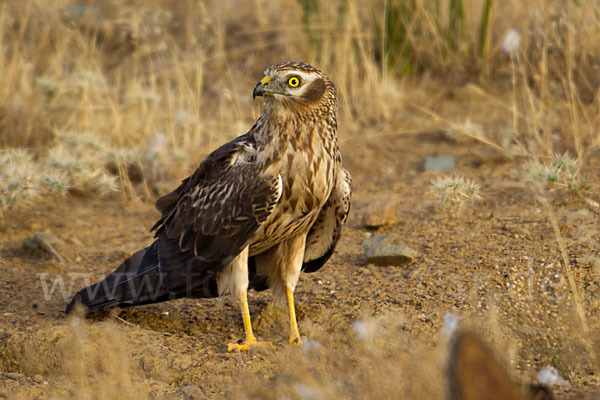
(295, 340)
(250, 344)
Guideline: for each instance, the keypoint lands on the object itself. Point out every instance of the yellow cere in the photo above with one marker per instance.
(265, 81)
(294, 81)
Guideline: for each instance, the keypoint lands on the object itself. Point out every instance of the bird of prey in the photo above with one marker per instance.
(255, 213)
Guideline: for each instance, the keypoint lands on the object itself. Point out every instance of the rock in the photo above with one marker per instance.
(185, 392)
(47, 237)
(29, 244)
(439, 164)
(381, 213)
(191, 389)
(37, 378)
(46, 240)
(384, 250)
(13, 375)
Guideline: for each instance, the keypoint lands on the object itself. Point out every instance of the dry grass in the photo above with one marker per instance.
(125, 71)
(379, 366)
(102, 95)
(73, 351)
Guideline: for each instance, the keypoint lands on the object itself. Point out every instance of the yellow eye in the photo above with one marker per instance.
(294, 81)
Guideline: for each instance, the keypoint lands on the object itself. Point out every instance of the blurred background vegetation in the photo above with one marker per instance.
(126, 97)
(99, 96)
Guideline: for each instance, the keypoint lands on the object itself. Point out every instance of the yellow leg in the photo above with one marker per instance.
(250, 341)
(294, 333)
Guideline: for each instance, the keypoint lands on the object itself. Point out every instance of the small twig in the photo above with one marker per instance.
(126, 322)
(594, 204)
(139, 327)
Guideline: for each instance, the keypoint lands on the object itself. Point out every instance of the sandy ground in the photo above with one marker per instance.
(372, 331)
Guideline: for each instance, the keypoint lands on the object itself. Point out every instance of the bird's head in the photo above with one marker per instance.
(296, 86)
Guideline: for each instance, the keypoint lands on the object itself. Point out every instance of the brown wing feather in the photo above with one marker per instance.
(215, 215)
(166, 203)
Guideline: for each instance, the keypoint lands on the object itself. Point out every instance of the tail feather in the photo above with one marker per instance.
(136, 281)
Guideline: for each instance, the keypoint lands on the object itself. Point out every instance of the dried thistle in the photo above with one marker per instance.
(562, 171)
(57, 182)
(455, 190)
(542, 173)
(20, 179)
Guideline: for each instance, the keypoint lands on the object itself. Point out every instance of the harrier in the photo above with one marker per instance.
(258, 210)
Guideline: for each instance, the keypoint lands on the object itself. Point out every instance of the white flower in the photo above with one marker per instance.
(511, 41)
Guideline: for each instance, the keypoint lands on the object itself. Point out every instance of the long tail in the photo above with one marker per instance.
(135, 282)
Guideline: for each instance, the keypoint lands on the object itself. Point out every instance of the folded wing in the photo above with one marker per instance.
(213, 217)
(207, 221)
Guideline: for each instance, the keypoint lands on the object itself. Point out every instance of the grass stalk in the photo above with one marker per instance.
(484, 29)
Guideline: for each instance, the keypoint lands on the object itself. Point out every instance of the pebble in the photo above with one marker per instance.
(191, 389)
(37, 378)
(385, 250)
(185, 392)
(443, 163)
(45, 241)
(47, 237)
(13, 375)
(30, 244)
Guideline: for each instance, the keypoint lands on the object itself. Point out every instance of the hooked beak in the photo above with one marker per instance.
(261, 87)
